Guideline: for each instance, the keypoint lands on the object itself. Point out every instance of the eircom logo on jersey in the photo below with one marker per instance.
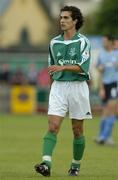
(66, 61)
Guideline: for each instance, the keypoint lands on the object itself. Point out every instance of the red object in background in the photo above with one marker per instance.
(43, 78)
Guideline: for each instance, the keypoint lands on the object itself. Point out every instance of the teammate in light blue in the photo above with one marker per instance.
(69, 59)
(107, 65)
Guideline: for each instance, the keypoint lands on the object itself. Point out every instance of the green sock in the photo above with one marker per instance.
(78, 150)
(48, 147)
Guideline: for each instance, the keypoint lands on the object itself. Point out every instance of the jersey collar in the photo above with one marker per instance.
(73, 38)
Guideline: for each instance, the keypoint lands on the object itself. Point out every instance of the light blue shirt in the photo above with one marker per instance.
(115, 54)
(110, 70)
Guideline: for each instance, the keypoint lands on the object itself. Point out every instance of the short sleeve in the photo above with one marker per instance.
(85, 55)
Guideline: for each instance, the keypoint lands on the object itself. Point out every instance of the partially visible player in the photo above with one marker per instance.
(107, 66)
(115, 50)
(69, 59)
(115, 44)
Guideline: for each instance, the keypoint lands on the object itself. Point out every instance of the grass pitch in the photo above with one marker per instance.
(21, 148)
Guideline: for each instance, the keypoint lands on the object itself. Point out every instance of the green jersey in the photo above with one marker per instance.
(70, 52)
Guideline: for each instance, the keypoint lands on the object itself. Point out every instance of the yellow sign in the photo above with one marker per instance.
(23, 99)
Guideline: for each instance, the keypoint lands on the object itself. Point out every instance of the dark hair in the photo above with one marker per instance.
(109, 37)
(115, 37)
(75, 14)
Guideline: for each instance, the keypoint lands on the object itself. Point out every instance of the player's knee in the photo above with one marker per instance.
(54, 128)
(77, 131)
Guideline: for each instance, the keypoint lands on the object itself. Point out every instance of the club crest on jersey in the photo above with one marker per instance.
(72, 52)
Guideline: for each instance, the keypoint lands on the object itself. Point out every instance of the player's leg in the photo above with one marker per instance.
(104, 99)
(50, 139)
(79, 109)
(102, 124)
(110, 119)
(78, 146)
(56, 112)
(108, 115)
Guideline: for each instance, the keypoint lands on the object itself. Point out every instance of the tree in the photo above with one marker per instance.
(105, 20)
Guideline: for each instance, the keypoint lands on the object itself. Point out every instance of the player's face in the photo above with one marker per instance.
(106, 43)
(115, 44)
(66, 21)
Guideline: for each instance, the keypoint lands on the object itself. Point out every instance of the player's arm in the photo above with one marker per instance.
(56, 68)
(100, 68)
(99, 64)
(101, 87)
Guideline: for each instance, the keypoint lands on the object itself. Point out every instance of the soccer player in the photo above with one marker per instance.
(107, 66)
(69, 59)
(115, 50)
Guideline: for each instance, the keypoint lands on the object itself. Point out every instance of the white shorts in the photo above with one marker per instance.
(72, 97)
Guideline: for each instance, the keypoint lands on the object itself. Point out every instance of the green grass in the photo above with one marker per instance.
(21, 148)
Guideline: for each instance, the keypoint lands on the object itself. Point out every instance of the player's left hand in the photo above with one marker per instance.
(55, 68)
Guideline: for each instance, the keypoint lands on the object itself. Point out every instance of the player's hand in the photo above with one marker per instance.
(101, 68)
(55, 68)
(102, 93)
